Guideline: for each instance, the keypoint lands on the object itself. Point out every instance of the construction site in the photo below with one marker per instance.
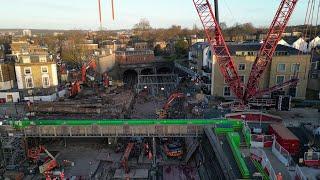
(151, 118)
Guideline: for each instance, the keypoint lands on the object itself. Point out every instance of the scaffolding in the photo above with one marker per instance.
(12, 150)
(158, 84)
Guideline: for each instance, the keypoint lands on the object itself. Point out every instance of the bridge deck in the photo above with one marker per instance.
(116, 128)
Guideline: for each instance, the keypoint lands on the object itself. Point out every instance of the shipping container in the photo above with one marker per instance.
(285, 138)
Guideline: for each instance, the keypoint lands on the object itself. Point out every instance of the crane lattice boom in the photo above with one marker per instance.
(264, 57)
(219, 46)
(268, 48)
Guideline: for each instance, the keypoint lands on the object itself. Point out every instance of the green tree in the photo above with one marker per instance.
(181, 48)
(157, 50)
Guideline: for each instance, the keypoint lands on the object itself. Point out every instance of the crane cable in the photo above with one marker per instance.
(314, 45)
(308, 22)
(311, 33)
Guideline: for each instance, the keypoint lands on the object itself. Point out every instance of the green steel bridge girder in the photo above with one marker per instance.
(20, 124)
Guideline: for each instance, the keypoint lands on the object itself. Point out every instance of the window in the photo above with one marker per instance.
(26, 59)
(314, 76)
(295, 67)
(45, 81)
(42, 58)
(250, 53)
(44, 69)
(29, 82)
(281, 53)
(242, 67)
(280, 79)
(292, 92)
(226, 91)
(242, 79)
(27, 70)
(238, 53)
(281, 68)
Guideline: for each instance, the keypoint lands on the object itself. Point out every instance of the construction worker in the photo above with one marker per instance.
(279, 176)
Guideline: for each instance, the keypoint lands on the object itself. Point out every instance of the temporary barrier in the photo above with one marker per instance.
(260, 140)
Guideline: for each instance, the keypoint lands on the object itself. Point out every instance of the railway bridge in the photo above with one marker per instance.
(114, 128)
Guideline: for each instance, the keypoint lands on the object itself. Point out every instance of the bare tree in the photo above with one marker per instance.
(143, 25)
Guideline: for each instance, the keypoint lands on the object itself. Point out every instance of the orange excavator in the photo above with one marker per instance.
(49, 164)
(172, 97)
(75, 86)
(90, 65)
(125, 158)
(163, 113)
(74, 89)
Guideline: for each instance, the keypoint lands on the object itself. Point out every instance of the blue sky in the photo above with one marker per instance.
(83, 14)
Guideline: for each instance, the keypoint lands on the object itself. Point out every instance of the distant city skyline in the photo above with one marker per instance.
(80, 14)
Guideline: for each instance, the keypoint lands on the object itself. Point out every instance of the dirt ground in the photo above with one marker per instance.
(147, 107)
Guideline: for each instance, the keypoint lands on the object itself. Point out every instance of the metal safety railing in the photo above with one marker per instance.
(246, 131)
(299, 174)
(284, 156)
(281, 153)
(264, 161)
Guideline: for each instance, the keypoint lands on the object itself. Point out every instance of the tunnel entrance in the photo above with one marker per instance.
(130, 78)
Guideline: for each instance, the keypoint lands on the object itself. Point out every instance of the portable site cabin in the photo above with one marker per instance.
(285, 138)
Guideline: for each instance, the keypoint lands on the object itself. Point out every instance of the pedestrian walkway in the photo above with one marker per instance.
(277, 165)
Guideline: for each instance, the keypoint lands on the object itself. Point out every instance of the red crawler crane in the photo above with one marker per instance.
(268, 48)
(219, 46)
(224, 59)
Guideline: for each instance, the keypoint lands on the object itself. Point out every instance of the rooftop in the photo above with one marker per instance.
(284, 132)
(256, 47)
(248, 46)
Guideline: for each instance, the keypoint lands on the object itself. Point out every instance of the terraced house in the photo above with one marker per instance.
(37, 77)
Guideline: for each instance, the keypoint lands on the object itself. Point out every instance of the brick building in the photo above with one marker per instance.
(132, 56)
